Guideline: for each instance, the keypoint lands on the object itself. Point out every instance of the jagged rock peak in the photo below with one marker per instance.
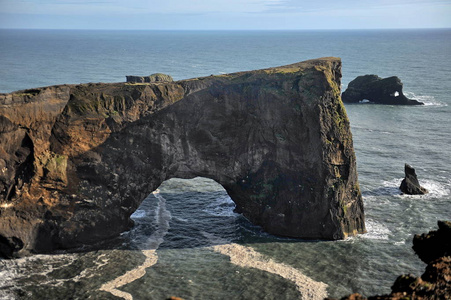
(79, 159)
(410, 184)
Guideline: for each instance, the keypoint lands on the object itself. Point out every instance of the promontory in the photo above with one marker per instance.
(77, 160)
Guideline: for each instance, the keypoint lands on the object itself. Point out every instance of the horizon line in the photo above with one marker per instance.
(224, 29)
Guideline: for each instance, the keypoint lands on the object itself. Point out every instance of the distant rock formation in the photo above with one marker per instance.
(434, 249)
(373, 89)
(410, 185)
(157, 77)
(77, 160)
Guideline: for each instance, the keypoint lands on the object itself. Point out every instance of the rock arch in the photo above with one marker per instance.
(278, 141)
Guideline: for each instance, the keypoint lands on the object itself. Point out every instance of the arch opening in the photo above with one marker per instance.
(190, 225)
(188, 213)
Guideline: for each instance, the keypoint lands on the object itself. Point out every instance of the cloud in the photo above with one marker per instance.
(308, 6)
(87, 7)
(224, 14)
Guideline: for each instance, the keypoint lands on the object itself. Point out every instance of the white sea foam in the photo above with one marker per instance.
(16, 269)
(162, 219)
(391, 187)
(426, 99)
(376, 231)
(180, 219)
(247, 257)
(435, 188)
(138, 214)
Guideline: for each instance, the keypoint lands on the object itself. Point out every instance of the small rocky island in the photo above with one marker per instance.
(77, 160)
(373, 89)
(410, 184)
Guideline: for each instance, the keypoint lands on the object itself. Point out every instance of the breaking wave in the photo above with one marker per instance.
(435, 189)
(426, 99)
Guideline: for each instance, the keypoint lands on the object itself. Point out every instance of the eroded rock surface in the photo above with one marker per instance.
(157, 77)
(77, 160)
(374, 89)
(435, 244)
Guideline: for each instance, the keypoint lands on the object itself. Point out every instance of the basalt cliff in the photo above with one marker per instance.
(77, 160)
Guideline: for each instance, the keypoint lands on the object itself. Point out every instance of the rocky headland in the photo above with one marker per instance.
(374, 89)
(77, 160)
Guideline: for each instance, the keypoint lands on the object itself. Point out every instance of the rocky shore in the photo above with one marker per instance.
(433, 248)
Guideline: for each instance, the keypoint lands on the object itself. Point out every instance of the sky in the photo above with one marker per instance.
(225, 14)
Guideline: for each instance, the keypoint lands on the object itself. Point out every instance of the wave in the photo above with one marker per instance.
(426, 99)
(138, 214)
(247, 257)
(18, 270)
(436, 189)
(375, 231)
(222, 206)
(162, 219)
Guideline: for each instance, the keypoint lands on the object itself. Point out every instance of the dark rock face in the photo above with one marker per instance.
(377, 90)
(157, 77)
(434, 248)
(79, 159)
(410, 185)
(435, 244)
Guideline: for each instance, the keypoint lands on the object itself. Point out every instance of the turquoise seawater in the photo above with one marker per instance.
(187, 241)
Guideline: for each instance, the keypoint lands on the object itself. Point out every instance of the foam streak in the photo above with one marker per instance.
(162, 220)
(247, 257)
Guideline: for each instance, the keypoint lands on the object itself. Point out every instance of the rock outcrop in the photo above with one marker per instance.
(77, 160)
(435, 244)
(434, 248)
(410, 185)
(374, 89)
(157, 77)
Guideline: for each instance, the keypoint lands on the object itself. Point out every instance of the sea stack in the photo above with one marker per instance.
(77, 160)
(410, 184)
(373, 89)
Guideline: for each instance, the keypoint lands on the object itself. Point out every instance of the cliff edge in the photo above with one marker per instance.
(77, 160)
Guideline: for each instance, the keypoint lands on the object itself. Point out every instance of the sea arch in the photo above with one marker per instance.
(278, 141)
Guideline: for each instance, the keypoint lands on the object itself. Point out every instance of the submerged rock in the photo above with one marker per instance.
(373, 89)
(410, 185)
(79, 159)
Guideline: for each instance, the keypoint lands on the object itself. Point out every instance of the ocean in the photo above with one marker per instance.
(187, 241)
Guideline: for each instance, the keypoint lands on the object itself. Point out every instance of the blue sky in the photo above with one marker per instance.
(225, 14)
